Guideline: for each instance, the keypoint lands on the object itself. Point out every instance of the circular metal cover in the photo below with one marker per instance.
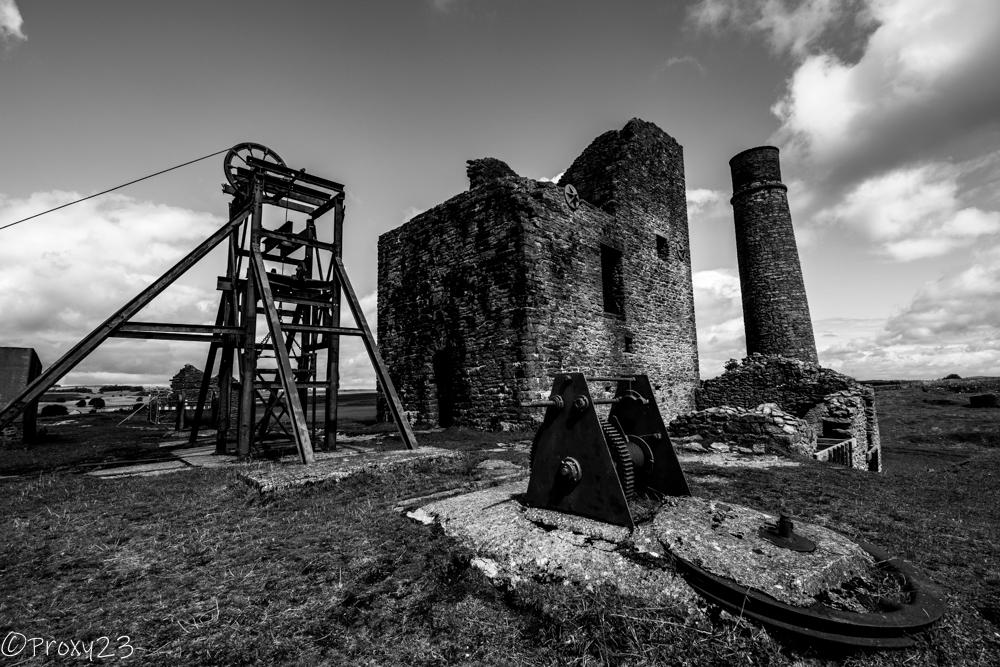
(236, 158)
(572, 197)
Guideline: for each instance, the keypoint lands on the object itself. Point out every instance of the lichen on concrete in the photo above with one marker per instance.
(514, 543)
(336, 466)
(724, 540)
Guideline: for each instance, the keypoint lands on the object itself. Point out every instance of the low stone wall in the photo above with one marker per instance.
(766, 428)
(187, 385)
(832, 404)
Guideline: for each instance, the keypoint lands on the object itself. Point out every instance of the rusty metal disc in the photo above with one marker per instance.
(236, 159)
(893, 628)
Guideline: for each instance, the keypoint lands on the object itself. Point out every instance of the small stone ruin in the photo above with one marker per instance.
(781, 405)
(186, 385)
(764, 429)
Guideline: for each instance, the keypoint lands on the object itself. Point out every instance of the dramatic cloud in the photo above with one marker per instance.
(68, 271)
(951, 325)
(922, 83)
(10, 22)
(912, 213)
(886, 144)
(719, 314)
(794, 27)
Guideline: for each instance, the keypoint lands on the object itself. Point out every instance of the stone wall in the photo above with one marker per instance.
(764, 429)
(775, 308)
(486, 296)
(834, 405)
(19, 366)
(186, 384)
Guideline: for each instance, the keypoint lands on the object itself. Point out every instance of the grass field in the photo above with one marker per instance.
(196, 568)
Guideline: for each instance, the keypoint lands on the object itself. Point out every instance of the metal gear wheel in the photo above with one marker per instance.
(623, 459)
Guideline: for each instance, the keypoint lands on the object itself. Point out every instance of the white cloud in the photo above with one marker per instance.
(924, 79)
(10, 22)
(871, 142)
(411, 212)
(702, 199)
(719, 314)
(65, 273)
(913, 212)
(682, 60)
(356, 370)
(443, 5)
(794, 27)
(554, 179)
(952, 325)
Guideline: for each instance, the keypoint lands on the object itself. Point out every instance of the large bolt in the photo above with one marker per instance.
(581, 402)
(785, 526)
(569, 469)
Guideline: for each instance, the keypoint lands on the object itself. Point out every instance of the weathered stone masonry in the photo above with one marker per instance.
(775, 308)
(484, 297)
(833, 405)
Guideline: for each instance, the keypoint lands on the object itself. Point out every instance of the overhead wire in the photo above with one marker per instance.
(117, 187)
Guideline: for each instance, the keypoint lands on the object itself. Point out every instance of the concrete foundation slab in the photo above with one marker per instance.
(143, 470)
(335, 466)
(516, 543)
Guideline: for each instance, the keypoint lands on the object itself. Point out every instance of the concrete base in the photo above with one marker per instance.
(141, 470)
(335, 466)
(516, 543)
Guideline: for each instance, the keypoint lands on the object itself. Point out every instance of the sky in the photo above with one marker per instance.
(886, 113)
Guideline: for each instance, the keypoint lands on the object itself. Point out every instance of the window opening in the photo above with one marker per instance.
(613, 280)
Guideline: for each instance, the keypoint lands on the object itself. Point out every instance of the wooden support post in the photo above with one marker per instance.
(229, 346)
(333, 340)
(248, 369)
(381, 372)
(206, 377)
(179, 421)
(225, 396)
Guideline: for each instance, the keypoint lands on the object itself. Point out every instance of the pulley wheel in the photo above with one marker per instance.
(572, 197)
(236, 158)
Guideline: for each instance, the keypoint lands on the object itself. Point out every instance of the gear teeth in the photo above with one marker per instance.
(623, 460)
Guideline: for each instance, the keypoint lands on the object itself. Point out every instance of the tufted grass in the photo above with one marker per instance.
(198, 569)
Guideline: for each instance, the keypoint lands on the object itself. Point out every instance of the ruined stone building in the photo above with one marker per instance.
(487, 295)
(19, 366)
(809, 408)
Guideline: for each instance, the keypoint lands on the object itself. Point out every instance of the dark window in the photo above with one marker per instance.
(662, 248)
(628, 344)
(613, 280)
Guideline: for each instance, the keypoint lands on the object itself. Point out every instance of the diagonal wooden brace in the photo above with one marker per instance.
(299, 425)
(381, 372)
(78, 352)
